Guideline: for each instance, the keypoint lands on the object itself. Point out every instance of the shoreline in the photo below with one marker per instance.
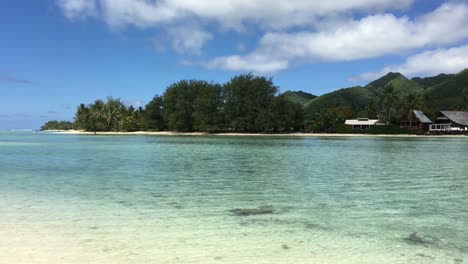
(237, 134)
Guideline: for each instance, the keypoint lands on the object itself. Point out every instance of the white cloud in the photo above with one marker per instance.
(78, 8)
(369, 37)
(228, 13)
(327, 31)
(140, 13)
(427, 63)
(188, 39)
(253, 63)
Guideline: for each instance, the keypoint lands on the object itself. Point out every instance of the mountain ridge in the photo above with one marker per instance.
(446, 92)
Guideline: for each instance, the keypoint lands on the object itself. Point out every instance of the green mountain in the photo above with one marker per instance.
(384, 80)
(401, 84)
(432, 81)
(441, 92)
(355, 99)
(404, 86)
(448, 95)
(299, 97)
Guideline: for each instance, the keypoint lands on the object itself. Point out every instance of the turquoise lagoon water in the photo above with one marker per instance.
(148, 199)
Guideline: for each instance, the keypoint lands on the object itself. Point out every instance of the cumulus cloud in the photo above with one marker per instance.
(427, 63)
(228, 13)
(294, 31)
(78, 8)
(369, 37)
(188, 40)
(253, 63)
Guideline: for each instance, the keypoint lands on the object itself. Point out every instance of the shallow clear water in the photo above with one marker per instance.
(147, 199)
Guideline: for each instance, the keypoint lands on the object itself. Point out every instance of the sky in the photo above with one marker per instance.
(56, 54)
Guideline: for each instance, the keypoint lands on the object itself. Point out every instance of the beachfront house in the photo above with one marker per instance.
(450, 121)
(362, 123)
(418, 121)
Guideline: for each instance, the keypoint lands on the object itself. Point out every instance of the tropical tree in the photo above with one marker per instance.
(411, 102)
(57, 125)
(97, 120)
(463, 105)
(153, 114)
(112, 115)
(286, 115)
(179, 104)
(208, 105)
(81, 117)
(247, 102)
(389, 97)
(113, 111)
(372, 108)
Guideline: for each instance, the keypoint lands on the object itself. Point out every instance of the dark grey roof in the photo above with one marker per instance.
(422, 117)
(458, 117)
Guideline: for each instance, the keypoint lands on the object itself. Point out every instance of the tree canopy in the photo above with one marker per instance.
(246, 103)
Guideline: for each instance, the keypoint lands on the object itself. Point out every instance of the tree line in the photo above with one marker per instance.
(246, 103)
(57, 125)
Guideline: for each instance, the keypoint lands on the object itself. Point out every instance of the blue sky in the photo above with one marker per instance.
(55, 54)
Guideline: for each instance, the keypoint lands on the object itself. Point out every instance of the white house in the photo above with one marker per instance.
(451, 121)
(362, 123)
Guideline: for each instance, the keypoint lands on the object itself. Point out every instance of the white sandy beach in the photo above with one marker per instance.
(172, 133)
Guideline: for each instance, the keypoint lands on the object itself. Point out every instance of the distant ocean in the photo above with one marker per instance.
(147, 199)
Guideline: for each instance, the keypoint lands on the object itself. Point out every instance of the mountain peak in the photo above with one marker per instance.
(384, 80)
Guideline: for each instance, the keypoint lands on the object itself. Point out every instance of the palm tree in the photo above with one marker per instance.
(463, 106)
(371, 109)
(112, 110)
(411, 102)
(388, 97)
(96, 116)
(81, 117)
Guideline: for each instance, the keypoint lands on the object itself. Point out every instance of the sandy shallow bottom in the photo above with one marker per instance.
(34, 232)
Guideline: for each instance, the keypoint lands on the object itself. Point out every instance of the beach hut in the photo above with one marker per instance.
(361, 123)
(450, 121)
(418, 120)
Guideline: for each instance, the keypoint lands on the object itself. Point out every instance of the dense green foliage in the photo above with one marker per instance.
(403, 86)
(349, 101)
(246, 103)
(111, 115)
(450, 92)
(389, 99)
(389, 130)
(57, 125)
(249, 103)
(431, 81)
(299, 97)
(449, 95)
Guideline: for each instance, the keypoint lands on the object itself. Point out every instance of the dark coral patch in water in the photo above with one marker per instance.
(261, 210)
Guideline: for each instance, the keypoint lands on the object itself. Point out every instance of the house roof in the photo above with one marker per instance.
(422, 117)
(458, 117)
(361, 121)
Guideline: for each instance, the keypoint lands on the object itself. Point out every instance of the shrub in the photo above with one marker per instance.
(344, 129)
(391, 129)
